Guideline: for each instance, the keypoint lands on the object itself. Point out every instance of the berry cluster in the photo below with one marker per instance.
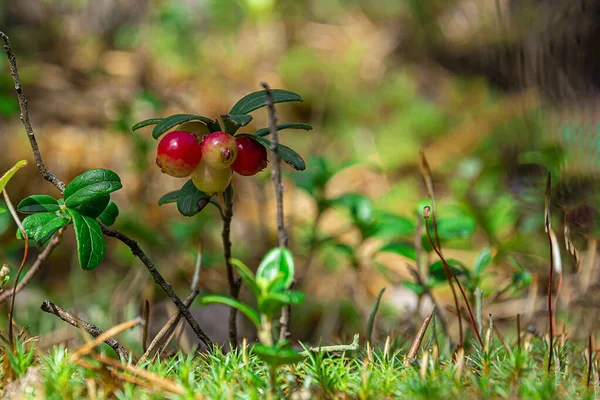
(210, 158)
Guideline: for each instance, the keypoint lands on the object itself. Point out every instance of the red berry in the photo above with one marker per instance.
(251, 157)
(178, 154)
(211, 180)
(219, 150)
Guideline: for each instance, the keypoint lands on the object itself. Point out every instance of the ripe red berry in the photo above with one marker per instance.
(219, 150)
(211, 180)
(178, 154)
(251, 157)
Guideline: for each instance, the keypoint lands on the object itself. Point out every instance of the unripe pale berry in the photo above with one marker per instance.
(219, 150)
(178, 154)
(211, 180)
(251, 157)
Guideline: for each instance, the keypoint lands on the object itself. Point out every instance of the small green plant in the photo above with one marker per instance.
(270, 286)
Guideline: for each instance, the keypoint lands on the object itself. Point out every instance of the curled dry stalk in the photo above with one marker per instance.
(60, 185)
(450, 272)
(282, 238)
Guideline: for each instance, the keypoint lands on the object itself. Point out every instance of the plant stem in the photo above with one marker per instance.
(548, 229)
(50, 177)
(282, 238)
(234, 287)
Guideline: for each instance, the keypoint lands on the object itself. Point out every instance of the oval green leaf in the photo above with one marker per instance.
(110, 214)
(271, 303)
(170, 197)
(276, 271)
(93, 208)
(177, 119)
(146, 122)
(38, 203)
(287, 125)
(437, 275)
(256, 100)
(288, 155)
(9, 174)
(246, 310)
(246, 275)
(40, 227)
(190, 201)
(401, 248)
(484, 258)
(90, 185)
(388, 226)
(90, 241)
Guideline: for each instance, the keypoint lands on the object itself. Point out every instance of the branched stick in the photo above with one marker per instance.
(51, 308)
(335, 348)
(166, 286)
(35, 268)
(282, 238)
(165, 334)
(234, 285)
(12, 64)
(50, 177)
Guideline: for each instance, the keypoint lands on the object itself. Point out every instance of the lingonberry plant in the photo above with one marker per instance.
(178, 154)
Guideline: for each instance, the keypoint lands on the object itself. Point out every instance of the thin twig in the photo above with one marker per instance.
(77, 322)
(519, 332)
(282, 238)
(165, 334)
(234, 286)
(146, 325)
(335, 348)
(12, 64)
(115, 330)
(15, 216)
(35, 268)
(590, 359)
(138, 252)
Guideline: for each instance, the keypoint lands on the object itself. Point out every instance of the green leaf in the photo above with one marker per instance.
(190, 201)
(146, 122)
(246, 275)
(280, 127)
(234, 122)
(177, 119)
(38, 203)
(459, 227)
(170, 197)
(2, 210)
(437, 275)
(40, 227)
(246, 310)
(277, 356)
(371, 320)
(90, 242)
(93, 208)
(256, 100)
(110, 214)
(404, 249)
(271, 303)
(90, 185)
(414, 287)
(389, 226)
(9, 174)
(361, 208)
(288, 155)
(276, 270)
(484, 258)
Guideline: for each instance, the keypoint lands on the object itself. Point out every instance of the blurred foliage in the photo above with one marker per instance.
(373, 108)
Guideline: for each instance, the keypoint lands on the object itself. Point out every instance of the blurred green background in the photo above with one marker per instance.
(376, 96)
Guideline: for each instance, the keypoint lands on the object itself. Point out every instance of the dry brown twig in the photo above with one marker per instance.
(282, 238)
(60, 185)
(93, 330)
